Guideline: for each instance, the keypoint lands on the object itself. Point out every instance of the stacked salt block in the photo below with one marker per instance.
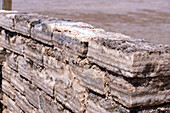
(56, 66)
(2, 59)
(144, 67)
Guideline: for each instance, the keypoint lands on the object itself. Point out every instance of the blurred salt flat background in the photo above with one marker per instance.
(146, 19)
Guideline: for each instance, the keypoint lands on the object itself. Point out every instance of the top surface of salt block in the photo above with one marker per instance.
(116, 52)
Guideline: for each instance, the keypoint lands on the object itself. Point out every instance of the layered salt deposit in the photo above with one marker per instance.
(51, 65)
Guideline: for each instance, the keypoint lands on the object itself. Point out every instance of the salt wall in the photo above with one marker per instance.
(60, 66)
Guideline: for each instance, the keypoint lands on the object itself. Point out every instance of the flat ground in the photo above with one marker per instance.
(148, 19)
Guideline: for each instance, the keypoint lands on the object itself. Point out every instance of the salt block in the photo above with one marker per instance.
(24, 67)
(32, 94)
(17, 82)
(52, 58)
(139, 92)
(12, 61)
(6, 72)
(69, 92)
(74, 36)
(5, 40)
(7, 19)
(8, 89)
(44, 79)
(23, 46)
(23, 23)
(33, 51)
(127, 91)
(12, 41)
(49, 105)
(130, 57)
(2, 55)
(91, 77)
(43, 31)
(98, 104)
(11, 105)
(23, 104)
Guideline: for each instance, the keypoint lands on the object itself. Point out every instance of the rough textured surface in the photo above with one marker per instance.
(2, 59)
(54, 65)
(129, 57)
